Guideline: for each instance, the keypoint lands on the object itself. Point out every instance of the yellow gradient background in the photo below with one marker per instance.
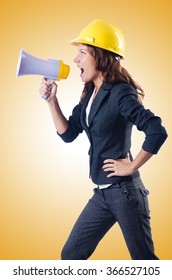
(44, 182)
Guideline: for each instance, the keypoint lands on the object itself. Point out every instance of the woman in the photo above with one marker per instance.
(110, 105)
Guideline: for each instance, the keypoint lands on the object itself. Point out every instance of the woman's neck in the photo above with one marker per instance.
(98, 82)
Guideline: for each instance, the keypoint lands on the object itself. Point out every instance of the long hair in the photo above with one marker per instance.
(108, 64)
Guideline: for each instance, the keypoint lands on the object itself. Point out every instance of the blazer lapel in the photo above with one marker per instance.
(98, 100)
(84, 106)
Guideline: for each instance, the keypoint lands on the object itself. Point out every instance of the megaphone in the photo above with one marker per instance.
(51, 69)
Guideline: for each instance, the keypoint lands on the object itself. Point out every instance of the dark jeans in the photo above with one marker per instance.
(125, 203)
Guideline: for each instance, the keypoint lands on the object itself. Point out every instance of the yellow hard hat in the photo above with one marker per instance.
(102, 34)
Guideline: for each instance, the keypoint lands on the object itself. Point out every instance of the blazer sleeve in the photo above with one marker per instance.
(132, 110)
(74, 125)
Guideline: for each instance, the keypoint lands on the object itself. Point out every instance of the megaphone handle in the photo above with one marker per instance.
(45, 97)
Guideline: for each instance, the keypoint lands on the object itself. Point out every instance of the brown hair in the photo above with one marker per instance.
(109, 64)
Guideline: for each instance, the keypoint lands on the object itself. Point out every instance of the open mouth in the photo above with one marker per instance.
(82, 70)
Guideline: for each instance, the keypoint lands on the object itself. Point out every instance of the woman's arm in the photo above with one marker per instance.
(48, 90)
(145, 121)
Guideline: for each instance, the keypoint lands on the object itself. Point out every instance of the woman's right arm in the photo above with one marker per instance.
(48, 91)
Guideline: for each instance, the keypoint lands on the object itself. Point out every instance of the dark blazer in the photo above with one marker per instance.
(113, 112)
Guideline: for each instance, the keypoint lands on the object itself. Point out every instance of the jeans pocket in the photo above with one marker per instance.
(143, 201)
(130, 194)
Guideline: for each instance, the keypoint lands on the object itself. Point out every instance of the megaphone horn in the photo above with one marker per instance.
(51, 69)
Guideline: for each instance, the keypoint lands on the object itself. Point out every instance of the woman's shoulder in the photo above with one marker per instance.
(123, 86)
(122, 89)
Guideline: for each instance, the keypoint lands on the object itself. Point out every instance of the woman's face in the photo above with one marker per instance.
(87, 64)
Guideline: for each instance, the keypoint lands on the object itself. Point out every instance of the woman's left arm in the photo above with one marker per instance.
(145, 121)
(133, 111)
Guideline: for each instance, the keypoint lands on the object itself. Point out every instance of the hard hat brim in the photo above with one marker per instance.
(90, 42)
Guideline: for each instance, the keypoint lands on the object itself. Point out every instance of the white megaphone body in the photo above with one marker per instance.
(51, 69)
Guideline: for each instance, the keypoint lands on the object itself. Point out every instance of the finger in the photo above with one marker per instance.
(108, 169)
(111, 174)
(46, 88)
(45, 94)
(44, 82)
(107, 165)
(43, 86)
(47, 84)
(108, 161)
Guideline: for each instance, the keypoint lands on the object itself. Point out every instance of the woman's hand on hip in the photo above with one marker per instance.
(120, 167)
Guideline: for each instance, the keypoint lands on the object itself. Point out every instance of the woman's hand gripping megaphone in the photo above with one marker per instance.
(48, 89)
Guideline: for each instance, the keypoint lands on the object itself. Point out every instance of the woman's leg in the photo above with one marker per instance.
(92, 224)
(129, 203)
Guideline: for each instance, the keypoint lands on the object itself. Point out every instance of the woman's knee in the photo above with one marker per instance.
(69, 253)
(65, 253)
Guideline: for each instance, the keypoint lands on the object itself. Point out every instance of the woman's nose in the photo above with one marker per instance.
(76, 59)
